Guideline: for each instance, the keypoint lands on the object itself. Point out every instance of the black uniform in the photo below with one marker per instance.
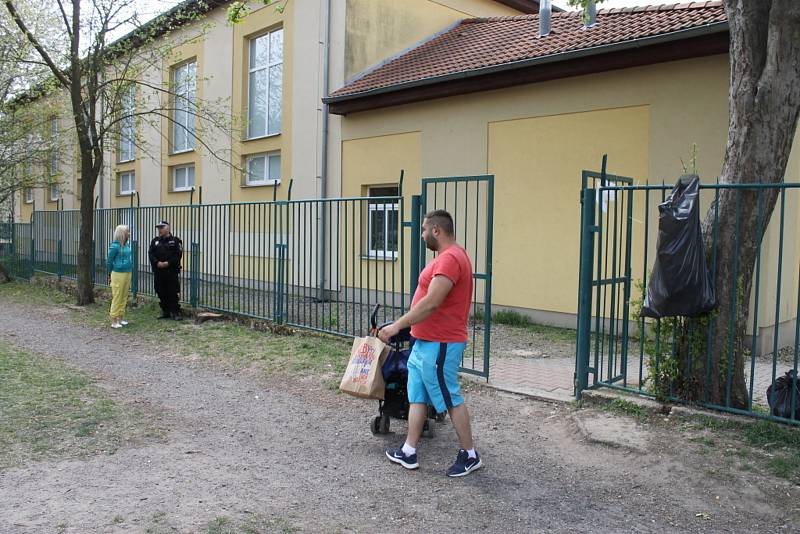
(167, 284)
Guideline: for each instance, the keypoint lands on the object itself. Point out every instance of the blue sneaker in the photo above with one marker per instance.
(399, 457)
(464, 464)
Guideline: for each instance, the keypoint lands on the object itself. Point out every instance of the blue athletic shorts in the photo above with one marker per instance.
(433, 374)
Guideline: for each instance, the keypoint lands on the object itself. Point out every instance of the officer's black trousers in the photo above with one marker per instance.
(168, 287)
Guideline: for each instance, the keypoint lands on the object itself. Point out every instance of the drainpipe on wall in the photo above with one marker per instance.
(323, 174)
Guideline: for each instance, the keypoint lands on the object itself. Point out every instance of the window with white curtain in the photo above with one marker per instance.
(265, 85)
(183, 116)
(383, 222)
(127, 183)
(263, 169)
(127, 129)
(183, 178)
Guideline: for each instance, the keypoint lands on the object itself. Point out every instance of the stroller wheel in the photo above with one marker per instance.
(384, 424)
(375, 425)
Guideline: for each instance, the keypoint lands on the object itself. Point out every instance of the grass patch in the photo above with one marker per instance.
(518, 320)
(770, 446)
(48, 409)
(626, 407)
(235, 343)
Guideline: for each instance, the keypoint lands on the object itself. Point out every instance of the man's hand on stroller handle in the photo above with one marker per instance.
(388, 332)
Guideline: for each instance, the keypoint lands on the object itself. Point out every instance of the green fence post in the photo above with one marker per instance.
(416, 233)
(194, 275)
(60, 260)
(588, 229)
(280, 284)
(135, 275)
(33, 254)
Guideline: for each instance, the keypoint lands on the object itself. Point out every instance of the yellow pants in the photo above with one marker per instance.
(120, 288)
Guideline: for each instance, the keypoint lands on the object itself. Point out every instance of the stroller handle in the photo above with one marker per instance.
(373, 318)
(403, 336)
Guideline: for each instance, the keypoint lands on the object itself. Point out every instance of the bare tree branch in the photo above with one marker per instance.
(57, 72)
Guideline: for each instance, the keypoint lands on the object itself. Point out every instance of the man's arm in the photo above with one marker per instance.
(175, 256)
(438, 290)
(151, 253)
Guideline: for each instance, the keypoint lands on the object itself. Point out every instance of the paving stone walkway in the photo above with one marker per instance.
(552, 378)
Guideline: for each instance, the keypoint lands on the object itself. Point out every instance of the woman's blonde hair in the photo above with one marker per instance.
(121, 233)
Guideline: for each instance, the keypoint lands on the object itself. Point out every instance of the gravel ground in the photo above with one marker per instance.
(241, 443)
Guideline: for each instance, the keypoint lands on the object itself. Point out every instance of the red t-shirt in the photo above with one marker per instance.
(448, 323)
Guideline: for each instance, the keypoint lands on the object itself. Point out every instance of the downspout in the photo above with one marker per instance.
(323, 174)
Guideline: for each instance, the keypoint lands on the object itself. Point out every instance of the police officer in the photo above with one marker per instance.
(165, 255)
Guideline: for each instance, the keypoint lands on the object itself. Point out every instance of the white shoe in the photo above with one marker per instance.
(123, 322)
(116, 325)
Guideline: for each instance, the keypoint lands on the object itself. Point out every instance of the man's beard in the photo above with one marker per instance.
(432, 243)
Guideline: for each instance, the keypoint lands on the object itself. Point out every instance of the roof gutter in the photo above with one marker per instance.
(709, 29)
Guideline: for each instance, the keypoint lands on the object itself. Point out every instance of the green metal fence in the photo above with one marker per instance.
(673, 358)
(320, 264)
(15, 249)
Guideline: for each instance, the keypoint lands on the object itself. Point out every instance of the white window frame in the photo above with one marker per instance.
(174, 177)
(57, 196)
(266, 67)
(122, 190)
(184, 95)
(266, 179)
(382, 207)
(127, 130)
(28, 195)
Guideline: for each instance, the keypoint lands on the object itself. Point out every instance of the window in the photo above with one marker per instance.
(54, 146)
(183, 178)
(265, 85)
(127, 183)
(28, 195)
(55, 193)
(383, 222)
(263, 169)
(127, 128)
(183, 116)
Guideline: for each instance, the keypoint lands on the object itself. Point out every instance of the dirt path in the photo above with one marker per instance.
(297, 455)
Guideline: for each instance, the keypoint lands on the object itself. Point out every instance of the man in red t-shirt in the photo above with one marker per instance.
(438, 320)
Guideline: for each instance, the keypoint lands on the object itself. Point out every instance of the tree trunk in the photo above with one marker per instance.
(764, 104)
(86, 246)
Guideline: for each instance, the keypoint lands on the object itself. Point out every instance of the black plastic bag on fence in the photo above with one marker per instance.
(680, 284)
(780, 398)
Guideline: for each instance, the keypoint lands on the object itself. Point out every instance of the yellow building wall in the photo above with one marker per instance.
(537, 138)
(378, 29)
(537, 163)
(373, 162)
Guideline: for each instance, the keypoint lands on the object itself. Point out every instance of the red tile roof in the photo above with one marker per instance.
(483, 43)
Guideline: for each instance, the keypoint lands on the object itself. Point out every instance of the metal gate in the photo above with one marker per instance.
(678, 359)
(604, 280)
(470, 200)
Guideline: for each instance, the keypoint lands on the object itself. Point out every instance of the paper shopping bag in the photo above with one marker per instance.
(363, 377)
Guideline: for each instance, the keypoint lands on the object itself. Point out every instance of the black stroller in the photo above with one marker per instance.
(395, 375)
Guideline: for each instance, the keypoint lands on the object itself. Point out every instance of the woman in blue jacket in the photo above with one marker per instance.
(120, 265)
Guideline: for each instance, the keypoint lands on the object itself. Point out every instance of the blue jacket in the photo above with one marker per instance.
(120, 258)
